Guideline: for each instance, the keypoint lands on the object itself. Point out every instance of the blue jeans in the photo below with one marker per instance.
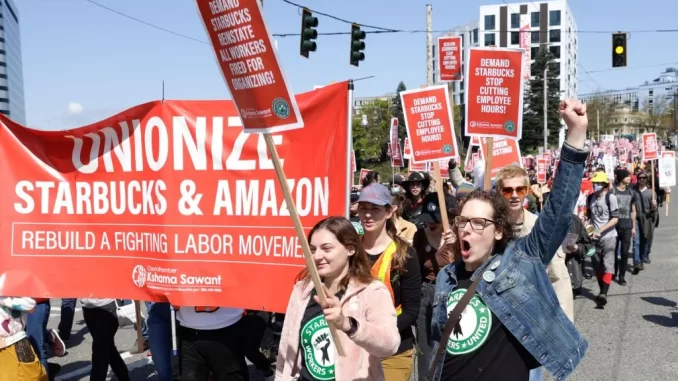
(160, 339)
(67, 315)
(636, 247)
(144, 326)
(36, 329)
(537, 374)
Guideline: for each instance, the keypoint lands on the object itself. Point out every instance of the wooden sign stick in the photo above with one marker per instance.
(140, 339)
(488, 164)
(441, 196)
(310, 263)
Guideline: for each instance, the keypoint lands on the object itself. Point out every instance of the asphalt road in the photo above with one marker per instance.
(635, 337)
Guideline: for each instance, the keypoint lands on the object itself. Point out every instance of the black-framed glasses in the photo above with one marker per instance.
(477, 223)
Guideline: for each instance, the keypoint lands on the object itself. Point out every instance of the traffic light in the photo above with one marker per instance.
(308, 33)
(619, 50)
(357, 45)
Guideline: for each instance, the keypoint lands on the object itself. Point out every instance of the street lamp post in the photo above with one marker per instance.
(546, 130)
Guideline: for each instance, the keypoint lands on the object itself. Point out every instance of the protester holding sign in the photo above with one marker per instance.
(508, 331)
(394, 262)
(356, 304)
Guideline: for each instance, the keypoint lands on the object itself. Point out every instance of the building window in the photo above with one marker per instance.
(554, 35)
(535, 37)
(555, 50)
(475, 36)
(515, 20)
(489, 39)
(515, 37)
(534, 52)
(535, 19)
(489, 22)
(554, 18)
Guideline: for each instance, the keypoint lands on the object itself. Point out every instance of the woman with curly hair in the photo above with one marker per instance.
(513, 323)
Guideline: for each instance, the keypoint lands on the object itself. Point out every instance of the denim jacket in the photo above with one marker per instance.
(520, 294)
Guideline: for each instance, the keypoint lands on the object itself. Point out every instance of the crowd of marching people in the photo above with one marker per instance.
(489, 297)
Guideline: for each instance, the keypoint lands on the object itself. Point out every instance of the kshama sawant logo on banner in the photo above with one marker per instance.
(168, 201)
(429, 124)
(494, 94)
(245, 54)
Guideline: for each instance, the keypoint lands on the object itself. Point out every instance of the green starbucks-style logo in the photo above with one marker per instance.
(447, 148)
(281, 108)
(474, 326)
(358, 228)
(509, 126)
(316, 342)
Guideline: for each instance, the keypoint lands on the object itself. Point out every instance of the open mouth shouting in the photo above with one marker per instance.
(465, 248)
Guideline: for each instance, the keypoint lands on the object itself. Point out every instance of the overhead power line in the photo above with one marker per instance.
(380, 30)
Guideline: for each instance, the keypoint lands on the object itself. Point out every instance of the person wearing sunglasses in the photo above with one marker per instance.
(512, 323)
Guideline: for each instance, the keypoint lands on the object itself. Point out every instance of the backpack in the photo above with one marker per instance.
(588, 204)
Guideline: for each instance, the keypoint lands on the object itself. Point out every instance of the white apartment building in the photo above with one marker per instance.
(551, 26)
(11, 68)
(469, 38)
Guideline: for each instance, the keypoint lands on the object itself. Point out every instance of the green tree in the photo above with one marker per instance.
(600, 111)
(397, 111)
(533, 113)
(370, 142)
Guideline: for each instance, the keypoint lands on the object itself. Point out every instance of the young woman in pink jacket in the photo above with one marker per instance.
(359, 306)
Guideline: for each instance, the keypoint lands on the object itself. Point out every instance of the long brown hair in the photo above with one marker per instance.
(400, 257)
(359, 268)
(500, 216)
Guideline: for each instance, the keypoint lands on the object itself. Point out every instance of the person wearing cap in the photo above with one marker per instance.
(394, 262)
(626, 226)
(434, 252)
(397, 184)
(603, 213)
(416, 187)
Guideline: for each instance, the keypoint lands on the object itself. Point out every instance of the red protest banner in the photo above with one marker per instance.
(168, 201)
(650, 148)
(249, 64)
(504, 152)
(449, 58)
(475, 141)
(494, 96)
(430, 127)
(542, 165)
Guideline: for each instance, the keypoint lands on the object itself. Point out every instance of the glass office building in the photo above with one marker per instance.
(11, 68)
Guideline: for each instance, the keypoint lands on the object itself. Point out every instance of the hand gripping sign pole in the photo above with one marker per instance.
(259, 90)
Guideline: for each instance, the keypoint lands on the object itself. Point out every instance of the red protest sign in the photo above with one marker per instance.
(650, 147)
(542, 165)
(494, 94)
(504, 152)
(428, 118)
(407, 152)
(168, 201)
(397, 160)
(394, 132)
(475, 141)
(353, 164)
(250, 66)
(449, 58)
(418, 167)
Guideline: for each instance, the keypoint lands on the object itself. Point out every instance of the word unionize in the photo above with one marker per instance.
(240, 47)
(147, 149)
(492, 97)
